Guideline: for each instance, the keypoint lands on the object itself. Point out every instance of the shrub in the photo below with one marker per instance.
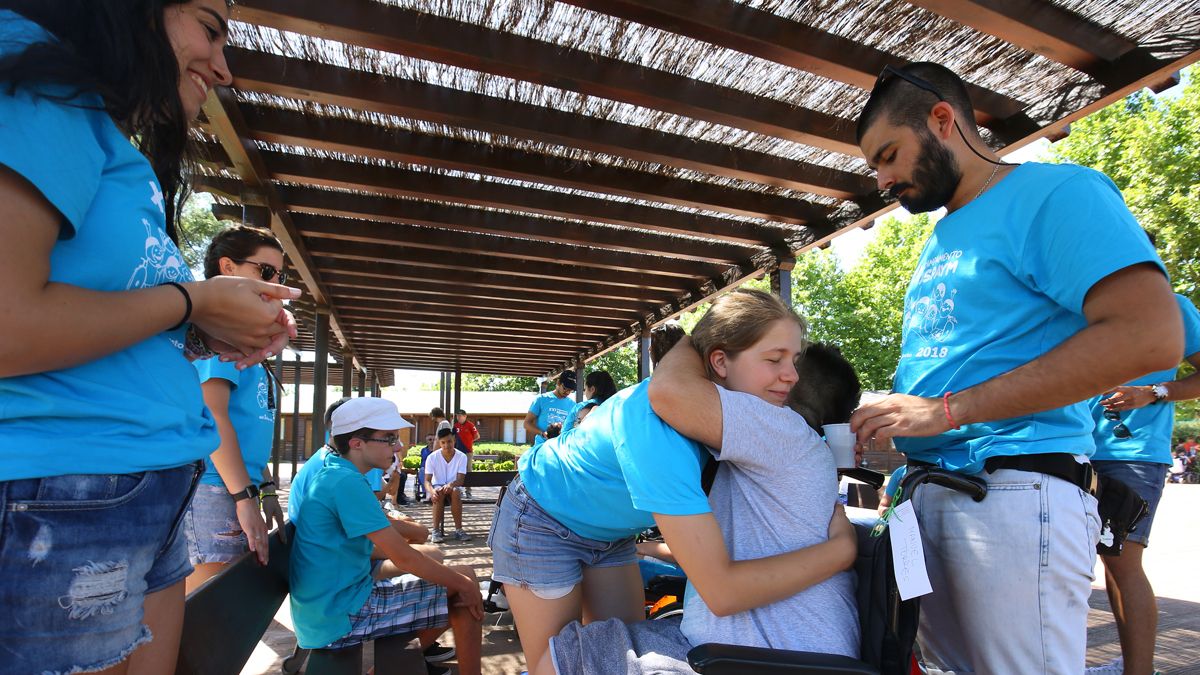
(412, 462)
(505, 456)
(505, 466)
(1185, 429)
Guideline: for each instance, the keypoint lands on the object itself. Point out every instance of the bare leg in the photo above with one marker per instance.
(164, 616)
(388, 569)
(545, 666)
(613, 592)
(202, 573)
(439, 512)
(538, 620)
(456, 508)
(1133, 607)
(468, 631)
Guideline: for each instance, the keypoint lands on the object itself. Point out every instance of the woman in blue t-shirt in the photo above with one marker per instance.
(102, 424)
(598, 387)
(563, 537)
(236, 480)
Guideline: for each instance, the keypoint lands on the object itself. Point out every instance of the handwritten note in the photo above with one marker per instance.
(908, 556)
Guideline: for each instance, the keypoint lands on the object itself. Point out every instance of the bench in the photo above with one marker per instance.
(489, 478)
(224, 619)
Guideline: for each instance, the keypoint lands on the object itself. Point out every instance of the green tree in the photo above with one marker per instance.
(197, 226)
(620, 363)
(488, 382)
(1150, 147)
(862, 310)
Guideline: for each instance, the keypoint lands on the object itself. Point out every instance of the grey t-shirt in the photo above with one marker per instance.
(775, 490)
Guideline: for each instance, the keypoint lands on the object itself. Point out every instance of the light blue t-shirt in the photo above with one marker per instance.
(606, 479)
(1150, 426)
(303, 477)
(549, 409)
(1001, 282)
(249, 412)
(375, 479)
(330, 565)
(569, 424)
(137, 409)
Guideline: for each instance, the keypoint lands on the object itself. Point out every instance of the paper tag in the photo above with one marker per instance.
(908, 556)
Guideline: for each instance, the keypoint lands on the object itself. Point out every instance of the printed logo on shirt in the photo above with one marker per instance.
(931, 316)
(161, 261)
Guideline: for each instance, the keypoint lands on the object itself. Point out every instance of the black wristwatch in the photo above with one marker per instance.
(251, 492)
(265, 485)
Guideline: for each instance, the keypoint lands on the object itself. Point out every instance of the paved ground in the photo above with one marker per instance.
(1171, 562)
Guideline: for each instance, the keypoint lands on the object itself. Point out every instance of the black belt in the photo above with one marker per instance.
(1058, 464)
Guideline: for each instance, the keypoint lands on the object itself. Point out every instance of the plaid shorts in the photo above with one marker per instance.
(403, 604)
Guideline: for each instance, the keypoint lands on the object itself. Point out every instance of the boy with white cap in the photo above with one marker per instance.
(335, 600)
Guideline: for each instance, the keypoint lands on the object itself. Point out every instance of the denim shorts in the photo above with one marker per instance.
(78, 555)
(533, 550)
(214, 534)
(1144, 478)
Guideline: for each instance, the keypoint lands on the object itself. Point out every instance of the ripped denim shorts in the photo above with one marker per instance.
(78, 555)
(214, 534)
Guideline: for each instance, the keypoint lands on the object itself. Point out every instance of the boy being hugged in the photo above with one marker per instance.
(335, 600)
(445, 473)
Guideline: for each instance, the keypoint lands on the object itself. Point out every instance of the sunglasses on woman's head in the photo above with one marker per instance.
(266, 271)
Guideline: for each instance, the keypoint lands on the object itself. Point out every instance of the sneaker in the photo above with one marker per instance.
(467, 494)
(1114, 667)
(435, 669)
(437, 537)
(461, 536)
(436, 653)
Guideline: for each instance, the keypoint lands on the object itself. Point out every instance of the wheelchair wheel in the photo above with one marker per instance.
(293, 663)
(666, 611)
(1191, 477)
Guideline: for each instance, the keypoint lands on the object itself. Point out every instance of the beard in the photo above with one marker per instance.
(936, 176)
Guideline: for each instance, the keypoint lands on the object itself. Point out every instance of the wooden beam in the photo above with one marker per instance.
(399, 233)
(374, 315)
(477, 344)
(497, 280)
(369, 140)
(467, 348)
(406, 297)
(599, 327)
(226, 121)
(1054, 32)
(422, 185)
(760, 33)
(564, 270)
(365, 321)
(452, 291)
(402, 31)
(449, 358)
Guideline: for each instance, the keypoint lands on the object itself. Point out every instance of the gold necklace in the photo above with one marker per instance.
(995, 168)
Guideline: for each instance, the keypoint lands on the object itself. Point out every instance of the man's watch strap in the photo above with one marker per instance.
(251, 492)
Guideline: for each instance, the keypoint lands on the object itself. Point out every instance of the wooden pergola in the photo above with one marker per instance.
(517, 187)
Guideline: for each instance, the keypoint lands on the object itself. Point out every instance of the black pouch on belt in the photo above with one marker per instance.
(1120, 510)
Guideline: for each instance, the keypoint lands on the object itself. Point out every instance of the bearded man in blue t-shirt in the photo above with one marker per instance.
(1035, 292)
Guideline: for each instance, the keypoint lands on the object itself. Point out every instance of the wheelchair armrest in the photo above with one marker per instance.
(719, 659)
(667, 584)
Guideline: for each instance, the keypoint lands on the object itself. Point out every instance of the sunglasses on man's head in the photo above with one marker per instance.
(1120, 431)
(266, 271)
(889, 72)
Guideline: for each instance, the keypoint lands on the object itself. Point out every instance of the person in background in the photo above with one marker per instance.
(419, 481)
(445, 471)
(550, 407)
(466, 435)
(1037, 291)
(1133, 445)
(341, 526)
(102, 422)
(242, 403)
(598, 386)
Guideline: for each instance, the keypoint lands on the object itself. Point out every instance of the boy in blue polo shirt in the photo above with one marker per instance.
(335, 600)
(550, 408)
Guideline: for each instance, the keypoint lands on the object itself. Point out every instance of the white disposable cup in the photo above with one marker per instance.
(841, 441)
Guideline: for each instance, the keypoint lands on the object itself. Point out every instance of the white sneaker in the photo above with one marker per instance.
(461, 536)
(1114, 667)
(437, 537)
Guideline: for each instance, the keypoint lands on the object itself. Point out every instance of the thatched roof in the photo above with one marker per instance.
(515, 186)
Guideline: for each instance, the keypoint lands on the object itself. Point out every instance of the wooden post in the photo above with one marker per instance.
(644, 353)
(320, 380)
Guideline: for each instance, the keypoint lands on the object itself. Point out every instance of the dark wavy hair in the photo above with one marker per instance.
(602, 382)
(238, 243)
(118, 49)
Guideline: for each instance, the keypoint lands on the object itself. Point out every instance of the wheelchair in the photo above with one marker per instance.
(888, 624)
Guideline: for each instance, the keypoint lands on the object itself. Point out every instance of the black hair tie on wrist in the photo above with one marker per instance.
(187, 299)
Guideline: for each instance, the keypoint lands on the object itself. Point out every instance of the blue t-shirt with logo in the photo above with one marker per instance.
(549, 409)
(330, 565)
(606, 479)
(1001, 282)
(137, 409)
(250, 414)
(1150, 426)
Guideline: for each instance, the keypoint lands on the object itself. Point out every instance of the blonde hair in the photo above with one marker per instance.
(737, 320)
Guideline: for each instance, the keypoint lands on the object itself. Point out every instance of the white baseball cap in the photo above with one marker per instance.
(366, 412)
